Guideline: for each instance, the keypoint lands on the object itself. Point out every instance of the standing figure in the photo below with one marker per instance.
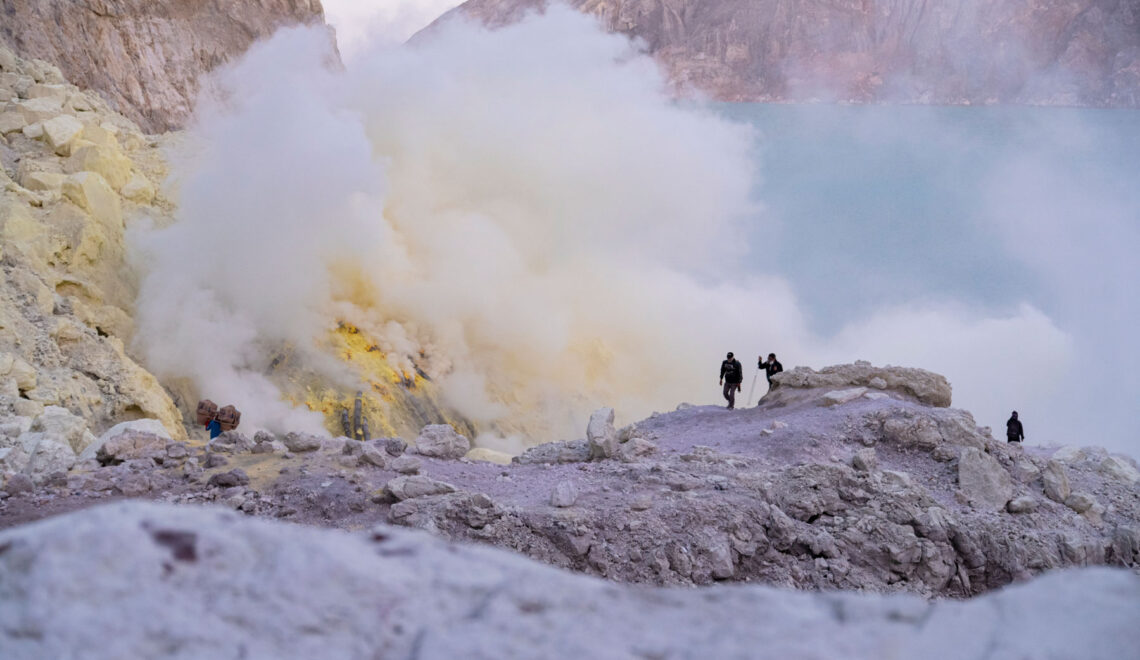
(771, 367)
(731, 377)
(1014, 431)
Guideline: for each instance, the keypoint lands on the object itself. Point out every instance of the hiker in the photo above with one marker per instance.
(771, 366)
(731, 377)
(1014, 431)
(214, 427)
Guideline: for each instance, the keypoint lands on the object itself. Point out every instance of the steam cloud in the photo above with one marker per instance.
(524, 207)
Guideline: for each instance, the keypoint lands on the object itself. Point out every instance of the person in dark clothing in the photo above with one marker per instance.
(771, 367)
(1014, 431)
(731, 377)
(214, 427)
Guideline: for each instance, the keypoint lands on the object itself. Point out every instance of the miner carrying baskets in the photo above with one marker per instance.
(217, 420)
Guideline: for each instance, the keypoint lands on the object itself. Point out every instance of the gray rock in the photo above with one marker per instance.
(865, 460)
(235, 477)
(406, 465)
(1119, 467)
(302, 442)
(371, 455)
(441, 441)
(132, 445)
(574, 451)
(601, 435)
(16, 483)
(1080, 502)
(151, 427)
(565, 494)
(231, 442)
(1023, 504)
(411, 487)
(395, 446)
(1055, 481)
(1024, 471)
(983, 480)
(214, 460)
(839, 397)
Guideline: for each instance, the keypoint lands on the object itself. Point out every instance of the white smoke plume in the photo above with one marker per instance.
(526, 208)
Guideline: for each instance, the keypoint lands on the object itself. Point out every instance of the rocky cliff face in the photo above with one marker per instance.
(1085, 52)
(144, 56)
(73, 175)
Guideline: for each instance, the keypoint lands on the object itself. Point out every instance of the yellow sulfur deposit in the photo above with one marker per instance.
(395, 403)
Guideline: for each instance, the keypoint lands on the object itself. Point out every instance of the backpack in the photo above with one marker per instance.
(229, 417)
(207, 410)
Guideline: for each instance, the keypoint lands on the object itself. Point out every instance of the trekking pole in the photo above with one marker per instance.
(752, 390)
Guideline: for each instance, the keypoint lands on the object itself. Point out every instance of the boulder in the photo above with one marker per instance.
(231, 442)
(1080, 502)
(371, 455)
(41, 111)
(1023, 504)
(107, 162)
(235, 477)
(395, 446)
(91, 192)
(148, 427)
(983, 480)
(301, 442)
(839, 397)
(485, 455)
(923, 386)
(565, 494)
(574, 451)
(41, 181)
(406, 465)
(1118, 467)
(441, 441)
(61, 132)
(1055, 481)
(1025, 471)
(138, 189)
(16, 483)
(411, 487)
(601, 434)
(47, 454)
(60, 423)
(865, 460)
(10, 122)
(132, 445)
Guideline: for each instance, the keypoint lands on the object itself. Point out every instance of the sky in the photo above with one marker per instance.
(387, 20)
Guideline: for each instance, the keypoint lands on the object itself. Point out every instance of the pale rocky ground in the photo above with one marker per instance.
(1049, 52)
(73, 176)
(138, 580)
(146, 57)
(849, 478)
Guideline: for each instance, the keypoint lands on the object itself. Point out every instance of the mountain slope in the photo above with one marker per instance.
(1054, 52)
(145, 56)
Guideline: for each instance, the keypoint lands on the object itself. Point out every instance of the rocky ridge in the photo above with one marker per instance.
(146, 57)
(879, 491)
(180, 582)
(73, 175)
(1084, 53)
